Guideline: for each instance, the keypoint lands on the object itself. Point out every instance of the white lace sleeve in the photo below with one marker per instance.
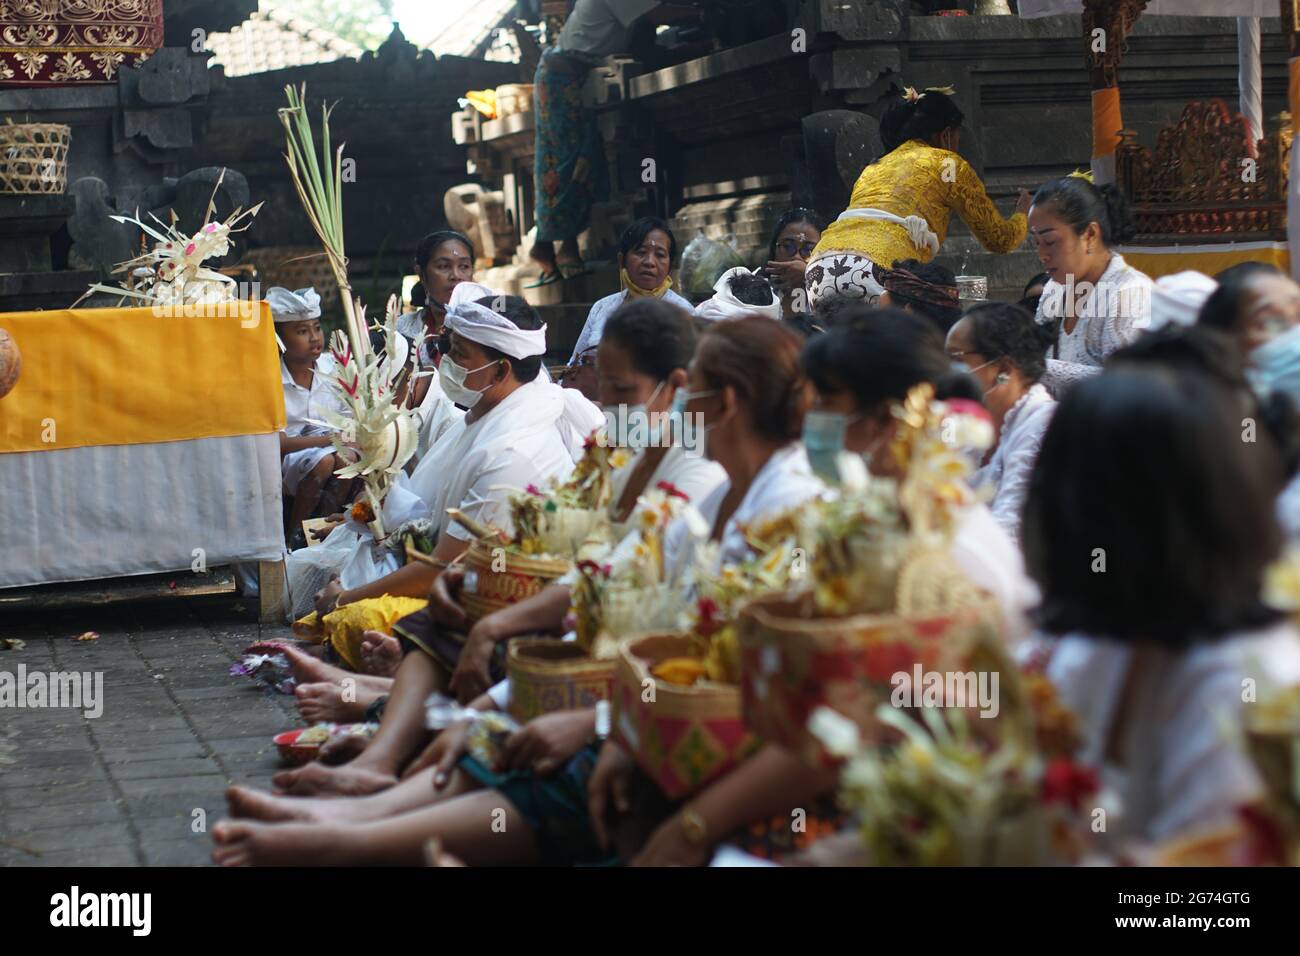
(1018, 468)
(1061, 375)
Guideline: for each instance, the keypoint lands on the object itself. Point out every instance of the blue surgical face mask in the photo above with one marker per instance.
(1275, 365)
(699, 437)
(823, 439)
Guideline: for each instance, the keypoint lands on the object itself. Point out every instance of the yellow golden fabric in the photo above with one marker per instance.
(346, 626)
(130, 377)
(920, 180)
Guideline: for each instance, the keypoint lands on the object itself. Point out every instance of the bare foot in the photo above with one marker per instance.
(245, 843)
(246, 803)
(381, 653)
(341, 703)
(311, 670)
(342, 749)
(345, 781)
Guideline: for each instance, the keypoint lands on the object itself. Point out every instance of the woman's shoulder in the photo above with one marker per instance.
(678, 300)
(609, 302)
(1122, 274)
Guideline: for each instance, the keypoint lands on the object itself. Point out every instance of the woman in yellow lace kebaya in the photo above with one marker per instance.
(901, 203)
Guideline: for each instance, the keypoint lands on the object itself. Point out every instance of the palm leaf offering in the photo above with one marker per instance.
(172, 274)
(375, 430)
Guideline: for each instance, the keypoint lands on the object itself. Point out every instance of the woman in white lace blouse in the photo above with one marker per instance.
(1096, 300)
(1003, 347)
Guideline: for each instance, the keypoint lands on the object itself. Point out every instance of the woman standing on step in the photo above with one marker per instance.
(901, 203)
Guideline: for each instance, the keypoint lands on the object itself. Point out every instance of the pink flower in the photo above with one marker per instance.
(189, 250)
(672, 491)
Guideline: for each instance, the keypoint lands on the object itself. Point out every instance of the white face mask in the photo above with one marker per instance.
(452, 377)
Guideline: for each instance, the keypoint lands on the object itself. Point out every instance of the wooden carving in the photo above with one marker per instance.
(1116, 18)
(1206, 177)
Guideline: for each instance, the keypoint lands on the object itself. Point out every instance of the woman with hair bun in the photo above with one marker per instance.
(1096, 299)
(901, 203)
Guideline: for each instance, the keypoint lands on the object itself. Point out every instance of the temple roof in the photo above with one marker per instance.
(470, 34)
(271, 40)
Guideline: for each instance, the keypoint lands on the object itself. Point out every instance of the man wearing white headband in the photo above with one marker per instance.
(307, 460)
(514, 433)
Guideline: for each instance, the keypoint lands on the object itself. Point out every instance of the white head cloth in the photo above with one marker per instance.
(1177, 299)
(724, 305)
(480, 324)
(296, 306)
(470, 292)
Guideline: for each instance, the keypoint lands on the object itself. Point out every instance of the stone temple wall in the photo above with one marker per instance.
(393, 115)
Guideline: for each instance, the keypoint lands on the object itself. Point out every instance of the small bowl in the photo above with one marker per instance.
(294, 753)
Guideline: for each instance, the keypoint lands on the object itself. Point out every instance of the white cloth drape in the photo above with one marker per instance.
(1249, 84)
(1030, 9)
(77, 514)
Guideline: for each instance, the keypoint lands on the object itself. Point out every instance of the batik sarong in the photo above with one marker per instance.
(845, 275)
(569, 168)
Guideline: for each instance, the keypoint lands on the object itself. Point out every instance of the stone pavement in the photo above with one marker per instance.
(122, 789)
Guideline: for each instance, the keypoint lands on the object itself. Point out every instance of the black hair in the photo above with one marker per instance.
(1147, 519)
(1222, 310)
(430, 243)
(750, 289)
(419, 298)
(878, 355)
(932, 113)
(1041, 279)
(759, 359)
(832, 311)
(657, 336)
(1208, 351)
(1002, 330)
(525, 317)
(805, 323)
(945, 317)
(636, 233)
(1078, 202)
(791, 217)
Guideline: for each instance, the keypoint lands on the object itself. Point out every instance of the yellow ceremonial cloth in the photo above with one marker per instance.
(917, 179)
(345, 627)
(1106, 121)
(634, 291)
(1209, 258)
(130, 377)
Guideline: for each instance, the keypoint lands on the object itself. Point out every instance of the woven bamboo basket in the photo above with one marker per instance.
(294, 267)
(794, 661)
(547, 675)
(521, 576)
(34, 158)
(684, 738)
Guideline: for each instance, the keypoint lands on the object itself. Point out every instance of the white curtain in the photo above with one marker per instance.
(1170, 8)
(76, 514)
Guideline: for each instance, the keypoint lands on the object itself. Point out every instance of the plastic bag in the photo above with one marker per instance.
(703, 261)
